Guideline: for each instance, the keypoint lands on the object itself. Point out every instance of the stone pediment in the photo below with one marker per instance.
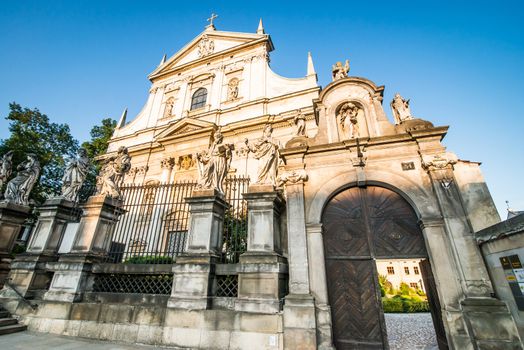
(183, 128)
(209, 43)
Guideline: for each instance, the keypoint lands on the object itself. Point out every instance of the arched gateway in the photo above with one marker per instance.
(362, 224)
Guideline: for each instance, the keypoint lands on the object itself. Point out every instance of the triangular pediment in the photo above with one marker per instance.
(207, 44)
(183, 128)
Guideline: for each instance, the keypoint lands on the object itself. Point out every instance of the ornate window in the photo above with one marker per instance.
(199, 99)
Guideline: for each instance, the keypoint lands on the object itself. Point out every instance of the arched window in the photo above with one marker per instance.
(199, 99)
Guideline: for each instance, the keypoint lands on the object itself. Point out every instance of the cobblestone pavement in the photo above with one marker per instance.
(411, 331)
(42, 341)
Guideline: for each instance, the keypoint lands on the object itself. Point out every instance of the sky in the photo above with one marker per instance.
(459, 62)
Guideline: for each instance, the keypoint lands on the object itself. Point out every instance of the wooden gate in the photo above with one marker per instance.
(361, 225)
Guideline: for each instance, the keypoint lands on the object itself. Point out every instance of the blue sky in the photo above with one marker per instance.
(460, 63)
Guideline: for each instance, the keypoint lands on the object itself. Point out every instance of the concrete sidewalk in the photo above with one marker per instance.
(37, 341)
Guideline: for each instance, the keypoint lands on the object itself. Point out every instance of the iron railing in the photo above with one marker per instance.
(153, 228)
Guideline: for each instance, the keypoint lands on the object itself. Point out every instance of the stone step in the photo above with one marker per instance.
(12, 329)
(4, 314)
(7, 321)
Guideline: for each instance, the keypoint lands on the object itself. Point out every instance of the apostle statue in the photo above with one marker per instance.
(6, 165)
(340, 71)
(400, 108)
(75, 175)
(300, 123)
(348, 120)
(113, 172)
(214, 163)
(266, 151)
(19, 188)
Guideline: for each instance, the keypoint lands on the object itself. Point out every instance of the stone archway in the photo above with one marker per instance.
(362, 224)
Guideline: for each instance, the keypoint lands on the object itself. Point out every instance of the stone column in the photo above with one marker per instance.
(299, 308)
(12, 217)
(90, 245)
(262, 281)
(27, 270)
(488, 322)
(194, 271)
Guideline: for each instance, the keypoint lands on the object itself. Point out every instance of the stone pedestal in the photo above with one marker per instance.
(262, 280)
(12, 217)
(27, 270)
(90, 245)
(194, 270)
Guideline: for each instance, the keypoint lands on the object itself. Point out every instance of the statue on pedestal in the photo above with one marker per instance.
(348, 120)
(214, 164)
(340, 71)
(400, 108)
(6, 165)
(266, 151)
(19, 188)
(75, 175)
(112, 174)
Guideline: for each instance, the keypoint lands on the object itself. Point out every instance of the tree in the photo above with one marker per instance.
(100, 135)
(32, 132)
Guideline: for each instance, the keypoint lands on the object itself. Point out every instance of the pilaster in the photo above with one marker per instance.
(194, 271)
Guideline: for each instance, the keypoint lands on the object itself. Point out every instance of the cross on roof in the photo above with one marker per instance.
(211, 19)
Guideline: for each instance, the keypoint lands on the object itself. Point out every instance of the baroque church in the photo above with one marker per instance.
(345, 185)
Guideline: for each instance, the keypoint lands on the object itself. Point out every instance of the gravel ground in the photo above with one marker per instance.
(411, 331)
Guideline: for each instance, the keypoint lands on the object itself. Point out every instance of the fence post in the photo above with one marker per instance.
(27, 270)
(194, 270)
(262, 280)
(12, 217)
(90, 245)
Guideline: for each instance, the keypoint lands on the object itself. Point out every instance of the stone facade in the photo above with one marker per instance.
(330, 139)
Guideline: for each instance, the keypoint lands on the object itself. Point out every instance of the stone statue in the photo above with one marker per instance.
(6, 165)
(19, 188)
(170, 103)
(75, 175)
(232, 89)
(113, 172)
(300, 123)
(400, 108)
(348, 120)
(266, 151)
(340, 71)
(214, 164)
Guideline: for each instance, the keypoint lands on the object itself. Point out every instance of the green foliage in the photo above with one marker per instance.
(404, 304)
(100, 135)
(235, 237)
(404, 289)
(392, 305)
(32, 132)
(149, 260)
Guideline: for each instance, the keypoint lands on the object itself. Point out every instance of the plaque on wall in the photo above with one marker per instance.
(515, 276)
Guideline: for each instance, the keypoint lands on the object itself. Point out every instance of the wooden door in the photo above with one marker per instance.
(361, 225)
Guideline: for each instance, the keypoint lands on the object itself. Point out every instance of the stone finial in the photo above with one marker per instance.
(74, 175)
(163, 60)
(340, 71)
(266, 151)
(211, 26)
(260, 29)
(112, 174)
(401, 109)
(6, 166)
(310, 66)
(19, 188)
(122, 120)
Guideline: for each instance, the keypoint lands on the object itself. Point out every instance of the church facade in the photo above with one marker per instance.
(350, 186)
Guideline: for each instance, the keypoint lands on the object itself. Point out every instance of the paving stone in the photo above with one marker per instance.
(411, 331)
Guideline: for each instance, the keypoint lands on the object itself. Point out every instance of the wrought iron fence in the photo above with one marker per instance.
(133, 283)
(153, 229)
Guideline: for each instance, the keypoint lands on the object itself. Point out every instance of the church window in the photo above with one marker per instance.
(199, 99)
(406, 270)
(415, 269)
(391, 270)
